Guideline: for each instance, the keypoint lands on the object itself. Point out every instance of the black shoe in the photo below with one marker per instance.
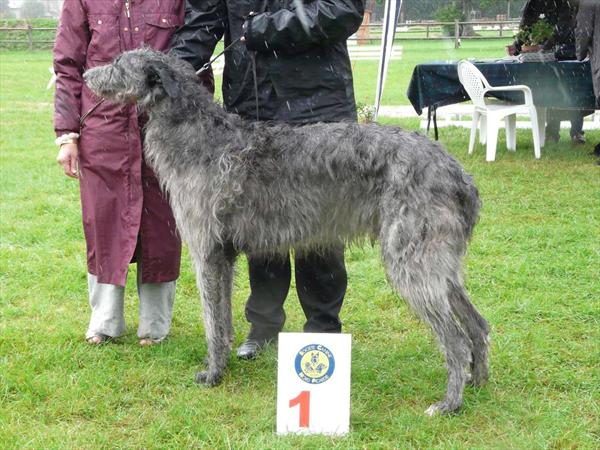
(250, 348)
(597, 150)
(552, 138)
(578, 139)
(257, 340)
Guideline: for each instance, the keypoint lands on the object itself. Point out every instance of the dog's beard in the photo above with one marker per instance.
(120, 97)
(123, 98)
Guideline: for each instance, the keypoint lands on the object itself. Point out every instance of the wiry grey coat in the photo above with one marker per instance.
(230, 188)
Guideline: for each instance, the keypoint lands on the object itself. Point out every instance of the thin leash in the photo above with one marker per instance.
(91, 110)
(253, 57)
(207, 66)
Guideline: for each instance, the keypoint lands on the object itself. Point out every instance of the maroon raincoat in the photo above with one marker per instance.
(123, 206)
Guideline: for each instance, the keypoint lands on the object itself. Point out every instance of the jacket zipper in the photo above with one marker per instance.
(128, 14)
(93, 108)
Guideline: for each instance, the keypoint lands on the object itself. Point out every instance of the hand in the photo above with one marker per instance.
(68, 158)
(245, 29)
(246, 25)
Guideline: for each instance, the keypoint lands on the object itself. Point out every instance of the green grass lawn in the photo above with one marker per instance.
(415, 52)
(532, 270)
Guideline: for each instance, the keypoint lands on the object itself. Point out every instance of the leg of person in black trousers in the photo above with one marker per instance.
(554, 118)
(552, 125)
(321, 283)
(269, 286)
(577, 134)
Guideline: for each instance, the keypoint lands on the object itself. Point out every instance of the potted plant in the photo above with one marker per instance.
(533, 38)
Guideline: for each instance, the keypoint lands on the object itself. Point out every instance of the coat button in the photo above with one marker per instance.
(125, 29)
(164, 21)
(99, 22)
(136, 29)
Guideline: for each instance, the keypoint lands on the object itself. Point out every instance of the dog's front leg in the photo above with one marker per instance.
(213, 272)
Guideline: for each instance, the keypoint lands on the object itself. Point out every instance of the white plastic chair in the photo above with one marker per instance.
(491, 114)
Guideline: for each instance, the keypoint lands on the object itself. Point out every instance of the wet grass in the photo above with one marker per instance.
(532, 270)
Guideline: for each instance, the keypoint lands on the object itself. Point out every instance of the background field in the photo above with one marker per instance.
(532, 269)
(14, 34)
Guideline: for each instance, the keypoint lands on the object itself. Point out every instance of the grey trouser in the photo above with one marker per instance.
(107, 301)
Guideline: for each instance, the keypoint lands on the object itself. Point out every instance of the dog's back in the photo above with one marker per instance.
(310, 185)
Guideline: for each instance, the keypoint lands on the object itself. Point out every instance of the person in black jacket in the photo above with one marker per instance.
(588, 40)
(561, 14)
(588, 44)
(291, 66)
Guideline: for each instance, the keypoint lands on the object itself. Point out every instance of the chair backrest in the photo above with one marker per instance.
(473, 81)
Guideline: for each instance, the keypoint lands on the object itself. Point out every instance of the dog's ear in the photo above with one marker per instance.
(161, 74)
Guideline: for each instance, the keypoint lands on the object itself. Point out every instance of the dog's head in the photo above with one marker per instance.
(144, 76)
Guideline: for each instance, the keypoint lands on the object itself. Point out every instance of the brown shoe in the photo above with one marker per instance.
(98, 339)
(146, 342)
(578, 139)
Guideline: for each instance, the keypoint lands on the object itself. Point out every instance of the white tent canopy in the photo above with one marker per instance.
(390, 20)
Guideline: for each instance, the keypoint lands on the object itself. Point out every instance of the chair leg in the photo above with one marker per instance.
(474, 126)
(483, 130)
(535, 128)
(541, 120)
(511, 132)
(492, 138)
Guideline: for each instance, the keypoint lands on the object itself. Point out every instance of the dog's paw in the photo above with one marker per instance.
(478, 379)
(441, 408)
(479, 375)
(208, 378)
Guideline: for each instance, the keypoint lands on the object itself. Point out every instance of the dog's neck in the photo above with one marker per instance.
(221, 131)
(193, 98)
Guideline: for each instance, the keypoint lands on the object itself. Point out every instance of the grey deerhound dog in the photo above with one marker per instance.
(265, 188)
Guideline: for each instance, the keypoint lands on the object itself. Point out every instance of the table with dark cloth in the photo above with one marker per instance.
(558, 84)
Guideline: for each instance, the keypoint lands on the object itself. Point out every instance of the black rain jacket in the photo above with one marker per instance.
(588, 39)
(303, 69)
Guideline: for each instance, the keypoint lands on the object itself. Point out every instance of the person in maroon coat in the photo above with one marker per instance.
(126, 217)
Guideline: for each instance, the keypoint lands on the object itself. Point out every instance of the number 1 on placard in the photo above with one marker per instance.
(303, 399)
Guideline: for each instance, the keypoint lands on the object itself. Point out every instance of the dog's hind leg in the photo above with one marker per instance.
(214, 274)
(419, 262)
(476, 328)
(227, 288)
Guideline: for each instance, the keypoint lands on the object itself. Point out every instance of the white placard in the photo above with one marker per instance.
(313, 383)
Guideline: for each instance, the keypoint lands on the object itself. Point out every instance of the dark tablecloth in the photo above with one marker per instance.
(564, 84)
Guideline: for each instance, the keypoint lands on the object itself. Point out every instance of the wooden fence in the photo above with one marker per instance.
(441, 30)
(32, 37)
(26, 36)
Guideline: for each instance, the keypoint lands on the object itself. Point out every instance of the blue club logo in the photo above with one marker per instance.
(315, 364)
